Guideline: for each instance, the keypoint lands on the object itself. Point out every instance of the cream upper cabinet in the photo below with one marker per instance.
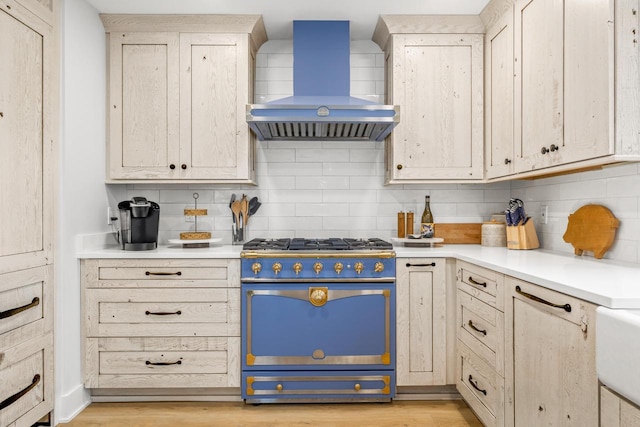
(562, 82)
(550, 372)
(434, 73)
(576, 86)
(420, 323)
(214, 70)
(498, 83)
(178, 89)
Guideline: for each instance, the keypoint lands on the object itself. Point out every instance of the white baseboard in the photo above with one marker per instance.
(71, 404)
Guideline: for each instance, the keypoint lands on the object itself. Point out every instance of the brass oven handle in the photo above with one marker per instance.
(12, 399)
(148, 362)
(475, 385)
(162, 313)
(162, 273)
(473, 282)
(14, 311)
(472, 326)
(565, 307)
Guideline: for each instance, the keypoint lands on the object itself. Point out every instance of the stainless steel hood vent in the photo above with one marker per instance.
(321, 108)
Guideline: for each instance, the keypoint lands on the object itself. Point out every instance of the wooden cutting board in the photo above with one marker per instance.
(591, 228)
(459, 233)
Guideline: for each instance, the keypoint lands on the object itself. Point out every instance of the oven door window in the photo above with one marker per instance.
(323, 325)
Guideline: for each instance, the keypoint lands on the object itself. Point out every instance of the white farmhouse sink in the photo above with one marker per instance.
(618, 351)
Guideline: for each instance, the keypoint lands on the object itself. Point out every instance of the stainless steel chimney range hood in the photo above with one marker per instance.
(321, 108)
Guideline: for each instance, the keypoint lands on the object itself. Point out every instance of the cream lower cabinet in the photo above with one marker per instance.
(420, 321)
(161, 323)
(178, 90)
(480, 349)
(434, 73)
(550, 372)
(616, 411)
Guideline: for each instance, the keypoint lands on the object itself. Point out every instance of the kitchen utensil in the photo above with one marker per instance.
(459, 233)
(254, 205)
(591, 228)
(236, 208)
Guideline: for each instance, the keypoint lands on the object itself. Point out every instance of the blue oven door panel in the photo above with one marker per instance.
(318, 326)
(309, 386)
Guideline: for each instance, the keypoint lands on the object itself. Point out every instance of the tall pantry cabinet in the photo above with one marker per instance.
(28, 143)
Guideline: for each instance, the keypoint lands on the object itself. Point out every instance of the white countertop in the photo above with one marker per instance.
(602, 282)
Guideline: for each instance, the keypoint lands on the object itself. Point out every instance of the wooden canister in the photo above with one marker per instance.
(494, 234)
(401, 225)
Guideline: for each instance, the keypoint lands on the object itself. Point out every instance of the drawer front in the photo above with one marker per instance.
(180, 312)
(481, 327)
(25, 305)
(26, 376)
(161, 273)
(271, 386)
(162, 362)
(482, 283)
(480, 385)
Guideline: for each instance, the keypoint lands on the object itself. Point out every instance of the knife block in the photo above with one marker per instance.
(522, 236)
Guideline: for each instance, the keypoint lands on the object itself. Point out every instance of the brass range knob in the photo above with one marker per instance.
(256, 267)
(277, 267)
(338, 267)
(317, 267)
(357, 387)
(297, 268)
(378, 267)
(358, 267)
(279, 387)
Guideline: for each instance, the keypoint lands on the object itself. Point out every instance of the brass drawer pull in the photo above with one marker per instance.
(475, 385)
(433, 264)
(12, 399)
(162, 313)
(148, 362)
(162, 273)
(14, 311)
(473, 282)
(472, 326)
(565, 307)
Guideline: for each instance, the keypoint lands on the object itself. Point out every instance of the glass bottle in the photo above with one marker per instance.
(426, 223)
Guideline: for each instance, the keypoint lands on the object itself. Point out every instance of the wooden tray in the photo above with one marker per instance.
(591, 228)
(459, 233)
(423, 242)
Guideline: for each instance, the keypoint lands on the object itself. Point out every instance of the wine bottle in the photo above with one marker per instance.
(426, 224)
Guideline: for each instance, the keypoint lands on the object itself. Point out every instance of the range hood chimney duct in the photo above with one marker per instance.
(321, 108)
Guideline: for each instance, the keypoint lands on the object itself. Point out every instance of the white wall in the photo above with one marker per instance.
(83, 199)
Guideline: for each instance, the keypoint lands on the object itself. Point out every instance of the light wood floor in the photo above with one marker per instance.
(201, 414)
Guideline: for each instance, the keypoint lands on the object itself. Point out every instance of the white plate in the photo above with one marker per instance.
(186, 242)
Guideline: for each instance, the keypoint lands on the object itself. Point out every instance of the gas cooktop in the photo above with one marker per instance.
(302, 244)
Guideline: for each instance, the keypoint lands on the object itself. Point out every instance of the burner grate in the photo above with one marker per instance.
(267, 244)
(318, 244)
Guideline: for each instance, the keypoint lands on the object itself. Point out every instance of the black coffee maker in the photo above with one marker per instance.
(139, 220)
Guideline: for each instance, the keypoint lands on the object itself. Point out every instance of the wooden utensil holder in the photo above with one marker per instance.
(522, 236)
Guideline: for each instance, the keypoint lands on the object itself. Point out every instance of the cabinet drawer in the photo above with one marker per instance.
(162, 312)
(480, 385)
(162, 362)
(26, 376)
(269, 386)
(25, 306)
(161, 273)
(482, 283)
(481, 327)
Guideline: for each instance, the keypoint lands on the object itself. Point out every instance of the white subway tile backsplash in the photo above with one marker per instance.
(335, 189)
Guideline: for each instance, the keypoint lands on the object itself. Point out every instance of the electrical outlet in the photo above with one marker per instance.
(109, 216)
(544, 214)
(189, 218)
